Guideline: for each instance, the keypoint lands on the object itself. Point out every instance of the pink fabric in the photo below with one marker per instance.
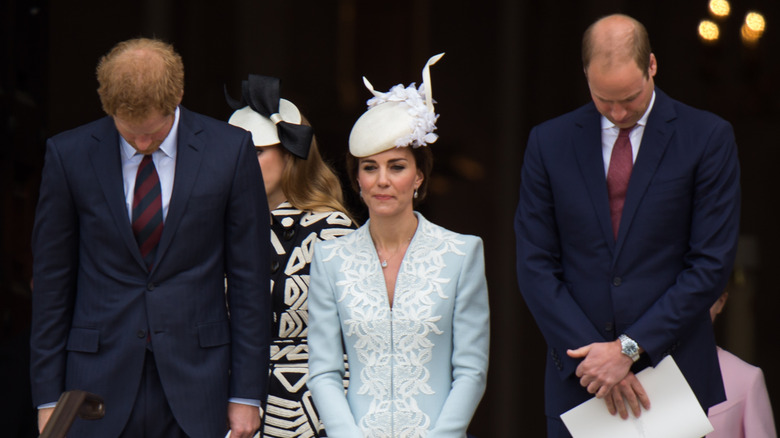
(747, 412)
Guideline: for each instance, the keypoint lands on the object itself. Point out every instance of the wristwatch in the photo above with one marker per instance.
(629, 347)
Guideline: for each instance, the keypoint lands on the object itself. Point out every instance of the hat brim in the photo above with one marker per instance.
(379, 128)
(264, 132)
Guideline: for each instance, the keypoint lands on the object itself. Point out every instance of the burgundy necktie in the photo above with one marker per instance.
(147, 210)
(619, 173)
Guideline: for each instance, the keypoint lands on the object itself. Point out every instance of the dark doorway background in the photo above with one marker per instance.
(510, 64)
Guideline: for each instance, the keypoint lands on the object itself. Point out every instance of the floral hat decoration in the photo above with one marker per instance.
(271, 120)
(403, 116)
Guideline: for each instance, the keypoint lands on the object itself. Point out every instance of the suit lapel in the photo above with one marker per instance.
(591, 163)
(188, 159)
(655, 139)
(107, 165)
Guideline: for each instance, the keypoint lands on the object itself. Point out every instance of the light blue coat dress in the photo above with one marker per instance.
(417, 369)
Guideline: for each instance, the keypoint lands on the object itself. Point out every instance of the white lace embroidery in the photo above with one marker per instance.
(393, 345)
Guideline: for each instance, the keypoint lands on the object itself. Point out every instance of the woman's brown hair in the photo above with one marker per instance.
(311, 184)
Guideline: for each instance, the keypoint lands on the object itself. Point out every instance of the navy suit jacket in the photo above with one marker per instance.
(95, 303)
(672, 256)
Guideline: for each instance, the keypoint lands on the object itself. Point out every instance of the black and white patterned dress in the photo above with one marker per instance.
(290, 411)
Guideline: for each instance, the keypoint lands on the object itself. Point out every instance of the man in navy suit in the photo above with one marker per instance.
(143, 217)
(626, 228)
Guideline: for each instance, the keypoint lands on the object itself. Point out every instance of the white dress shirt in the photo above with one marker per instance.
(609, 133)
(164, 160)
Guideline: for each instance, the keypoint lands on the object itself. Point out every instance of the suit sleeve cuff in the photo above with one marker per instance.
(248, 402)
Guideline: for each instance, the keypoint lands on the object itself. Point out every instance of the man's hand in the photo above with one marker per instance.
(244, 420)
(43, 418)
(602, 367)
(630, 391)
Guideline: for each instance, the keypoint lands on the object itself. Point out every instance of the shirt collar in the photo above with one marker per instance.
(168, 146)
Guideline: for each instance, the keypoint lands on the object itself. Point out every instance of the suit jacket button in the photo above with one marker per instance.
(288, 234)
(617, 281)
(609, 327)
(274, 267)
(141, 334)
(150, 286)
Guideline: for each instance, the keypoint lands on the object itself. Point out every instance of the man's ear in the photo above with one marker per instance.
(653, 66)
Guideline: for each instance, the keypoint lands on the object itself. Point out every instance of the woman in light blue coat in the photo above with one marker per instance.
(405, 297)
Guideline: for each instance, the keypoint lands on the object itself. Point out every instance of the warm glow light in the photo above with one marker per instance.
(752, 29)
(708, 31)
(755, 22)
(720, 8)
(749, 37)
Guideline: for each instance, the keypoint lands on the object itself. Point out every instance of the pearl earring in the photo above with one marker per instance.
(415, 193)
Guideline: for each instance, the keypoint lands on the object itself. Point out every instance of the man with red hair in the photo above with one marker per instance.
(143, 215)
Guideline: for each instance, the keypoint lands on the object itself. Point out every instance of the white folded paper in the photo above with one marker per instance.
(674, 411)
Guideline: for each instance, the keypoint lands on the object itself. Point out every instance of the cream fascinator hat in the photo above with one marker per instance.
(271, 120)
(401, 117)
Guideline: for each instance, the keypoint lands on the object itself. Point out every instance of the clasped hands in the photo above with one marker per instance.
(606, 372)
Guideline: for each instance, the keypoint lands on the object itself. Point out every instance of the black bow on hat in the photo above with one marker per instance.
(261, 93)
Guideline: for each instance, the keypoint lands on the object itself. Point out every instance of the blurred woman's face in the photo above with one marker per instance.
(387, 182)
(272, 160)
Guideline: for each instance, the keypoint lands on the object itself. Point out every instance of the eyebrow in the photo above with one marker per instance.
(631, 97)
(126, 127)
(390, 161)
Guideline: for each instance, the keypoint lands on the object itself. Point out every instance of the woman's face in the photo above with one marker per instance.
(387, 181)
(272, 160)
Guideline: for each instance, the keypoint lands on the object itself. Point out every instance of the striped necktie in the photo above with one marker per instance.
(618, 174)
(147, 210)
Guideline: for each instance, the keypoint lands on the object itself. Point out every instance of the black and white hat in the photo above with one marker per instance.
(270, 119)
